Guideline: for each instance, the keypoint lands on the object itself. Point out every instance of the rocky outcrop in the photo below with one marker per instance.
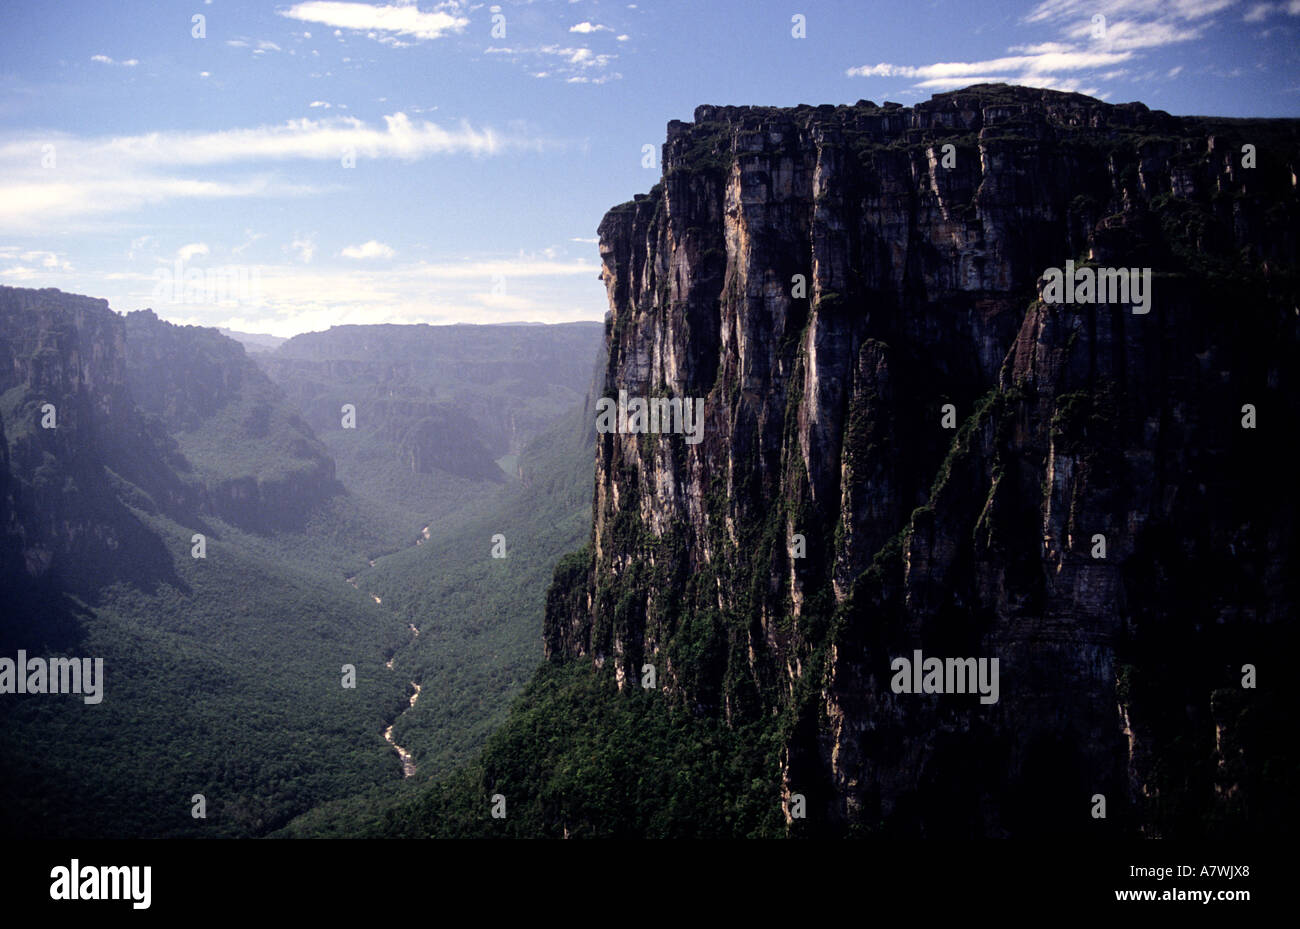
(829, 280)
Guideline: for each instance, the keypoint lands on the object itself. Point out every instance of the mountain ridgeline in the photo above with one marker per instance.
(912, 444)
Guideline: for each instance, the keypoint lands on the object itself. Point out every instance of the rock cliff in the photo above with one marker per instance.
(829, 280)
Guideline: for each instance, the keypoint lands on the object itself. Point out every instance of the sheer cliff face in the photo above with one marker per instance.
(824, 419)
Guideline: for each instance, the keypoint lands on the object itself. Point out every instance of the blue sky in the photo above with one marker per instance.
(301, 165)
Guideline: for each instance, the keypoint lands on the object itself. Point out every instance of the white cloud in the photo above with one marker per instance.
(48, 262)
(305, 138)
(105, 60)
(1042, 48)
(587, 28)
(26, 205)
(318, 103)
(578, 63)
(249, 238)
(117, 173)
(298, 299)
(364, 17)
(371, 249)
(1078, 56)
(139, 244)
(973, 72)
(304, 248)
(1128, 35)
(186, 252)
(579, 57)
(1261, 11)
(1057, 10)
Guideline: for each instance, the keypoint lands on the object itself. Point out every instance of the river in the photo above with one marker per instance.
(408, 763)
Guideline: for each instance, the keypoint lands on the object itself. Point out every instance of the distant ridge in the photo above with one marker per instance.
(254, 341)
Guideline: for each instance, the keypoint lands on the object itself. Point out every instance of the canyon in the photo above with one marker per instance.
(862, 426)
(125, 437)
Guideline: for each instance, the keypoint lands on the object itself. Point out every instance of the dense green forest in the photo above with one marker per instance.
(578, 758)
(226, 683)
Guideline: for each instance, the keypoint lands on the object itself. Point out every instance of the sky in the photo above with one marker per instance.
(284, 167)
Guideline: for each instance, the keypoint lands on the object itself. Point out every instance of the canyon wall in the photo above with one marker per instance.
(830, 279)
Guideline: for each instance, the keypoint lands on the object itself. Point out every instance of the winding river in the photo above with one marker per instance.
(408, 763)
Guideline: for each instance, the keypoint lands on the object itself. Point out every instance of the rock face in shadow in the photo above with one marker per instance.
(829, 279)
